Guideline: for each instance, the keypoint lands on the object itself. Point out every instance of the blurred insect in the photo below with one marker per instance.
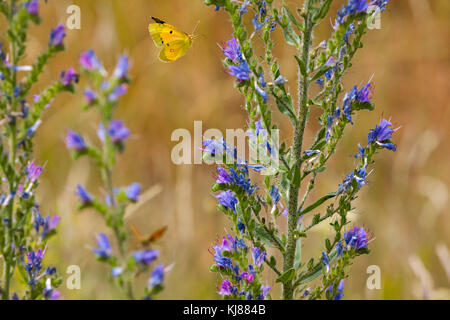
(148, 240)
(174, 43)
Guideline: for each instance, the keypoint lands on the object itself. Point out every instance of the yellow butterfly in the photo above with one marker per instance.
(174, 43)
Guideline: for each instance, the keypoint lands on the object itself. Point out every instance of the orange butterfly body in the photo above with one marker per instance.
(148, 240)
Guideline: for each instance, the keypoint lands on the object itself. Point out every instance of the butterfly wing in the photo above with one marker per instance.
(174, 42)
(174, 50)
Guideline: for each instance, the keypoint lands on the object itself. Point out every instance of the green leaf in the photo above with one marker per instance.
(302, 66)
(265, 237)
(298, 253)
(286, 276)
(323, 10)
(292, 18)
(319, 202)
(296, 179)
(321, 71)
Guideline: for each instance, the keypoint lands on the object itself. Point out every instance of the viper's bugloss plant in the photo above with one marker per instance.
(24, 231)
(274, 216)
(112, 134)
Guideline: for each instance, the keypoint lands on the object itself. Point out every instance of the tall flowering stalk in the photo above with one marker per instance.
(259, 213)
(24, 231)
(112, 134)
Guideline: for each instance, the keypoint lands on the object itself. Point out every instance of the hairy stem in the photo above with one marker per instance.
(299, 129)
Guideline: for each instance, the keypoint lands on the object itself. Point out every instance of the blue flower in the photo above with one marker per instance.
(116, 272)
(310, 153)
(34, 265)
(122, 67)
(356, 238)
(365, 93)
(157, 276)
(258, 26)
(75, 141)
(85, 197)
(241, 71)
(89, 61)
(227, 199)
(223, 176)
(353, 7)
(359, 177)
(361, 152)
(33, 171)
(349, 31)
(381, 4)
(90, 96)
(339, 249)
(227, 245)
(240, 180)
(233, 50)
(241, 227)
(258, 256)
(280, 80)
(104, 248)
(133, 192)
(69, 77)
(32, 7)
(319, 81)
(325, 260)
(57, 35)
(381, 133)
(275, 195)
(145, 256)
(243, 7)
(117, 92)
(117, 132)
(340, 291)
(227, 289)
(261, 92)
(264, 291)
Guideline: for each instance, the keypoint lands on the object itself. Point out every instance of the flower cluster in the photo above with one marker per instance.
(358, 6)
(25, 231)
(257, 218)
(112, 135)
(241, 278)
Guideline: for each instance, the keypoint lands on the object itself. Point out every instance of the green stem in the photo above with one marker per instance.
(7, 254)
(299, 129)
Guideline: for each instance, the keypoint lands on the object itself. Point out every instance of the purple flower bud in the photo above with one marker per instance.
(133, 191)
(157, 276)
(146, 256)
(122, 67)
(32, 7)
(104, 248)
(116, 131)
(89, 61)
(33, 171)
(57, 35)
(75, 141)
(90, 96)
(227, 199)
(233, 50)
(69, 77)
(85, 197)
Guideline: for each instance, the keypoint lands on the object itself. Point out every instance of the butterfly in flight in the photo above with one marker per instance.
(173, 43)
(148, 240)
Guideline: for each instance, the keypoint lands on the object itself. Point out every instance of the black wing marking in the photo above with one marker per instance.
(158, 20)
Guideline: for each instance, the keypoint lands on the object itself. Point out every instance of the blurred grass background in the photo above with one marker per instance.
(405, 204)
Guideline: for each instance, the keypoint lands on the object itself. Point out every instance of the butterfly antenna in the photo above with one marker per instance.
(195, 29)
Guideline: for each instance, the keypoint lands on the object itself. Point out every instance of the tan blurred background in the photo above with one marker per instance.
(405, 204)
